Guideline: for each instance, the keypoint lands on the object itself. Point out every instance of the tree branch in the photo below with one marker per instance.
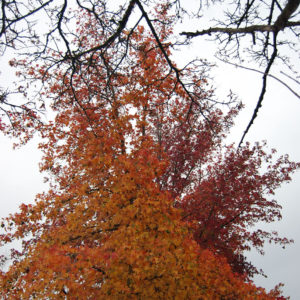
(280, 23)
(113, 37)
(4, 19)
(250, 29)
(171, 65)
(263, 90)
(287, 12)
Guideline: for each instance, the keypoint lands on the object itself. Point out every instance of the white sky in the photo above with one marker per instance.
(278, 122)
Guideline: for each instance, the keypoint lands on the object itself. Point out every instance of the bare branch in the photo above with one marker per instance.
(7, 23)
(250, 29)
(297, 81)
(263, 90)
(287, 12)
(281, 23)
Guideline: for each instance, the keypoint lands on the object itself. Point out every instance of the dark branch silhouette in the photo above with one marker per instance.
(232, 32)
(20, 30)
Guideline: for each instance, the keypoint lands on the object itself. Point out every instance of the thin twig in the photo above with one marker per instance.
(263, 90)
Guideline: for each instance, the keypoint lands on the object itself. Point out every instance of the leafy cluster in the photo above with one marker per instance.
(146, 200)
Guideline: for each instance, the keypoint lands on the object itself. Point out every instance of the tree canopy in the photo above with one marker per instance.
(146, 199)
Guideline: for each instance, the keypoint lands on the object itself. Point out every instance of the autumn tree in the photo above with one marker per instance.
(109, 231)
(146, 200)
(141, 201)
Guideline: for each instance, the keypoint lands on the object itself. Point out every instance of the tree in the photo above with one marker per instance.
(138, 184)
(269, 28)
(111, 232)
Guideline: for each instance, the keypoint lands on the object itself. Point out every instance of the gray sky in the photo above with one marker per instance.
(278, 122)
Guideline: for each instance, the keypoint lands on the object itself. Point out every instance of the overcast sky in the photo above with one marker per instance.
(278, 123)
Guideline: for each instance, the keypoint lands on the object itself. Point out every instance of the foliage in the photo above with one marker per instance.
(146, 200)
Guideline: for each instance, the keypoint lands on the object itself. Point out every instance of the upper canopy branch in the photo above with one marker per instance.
(280, 23)
(115, 35)
(7, 21)
(250, 29)
(170, 63)
(249, 17)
